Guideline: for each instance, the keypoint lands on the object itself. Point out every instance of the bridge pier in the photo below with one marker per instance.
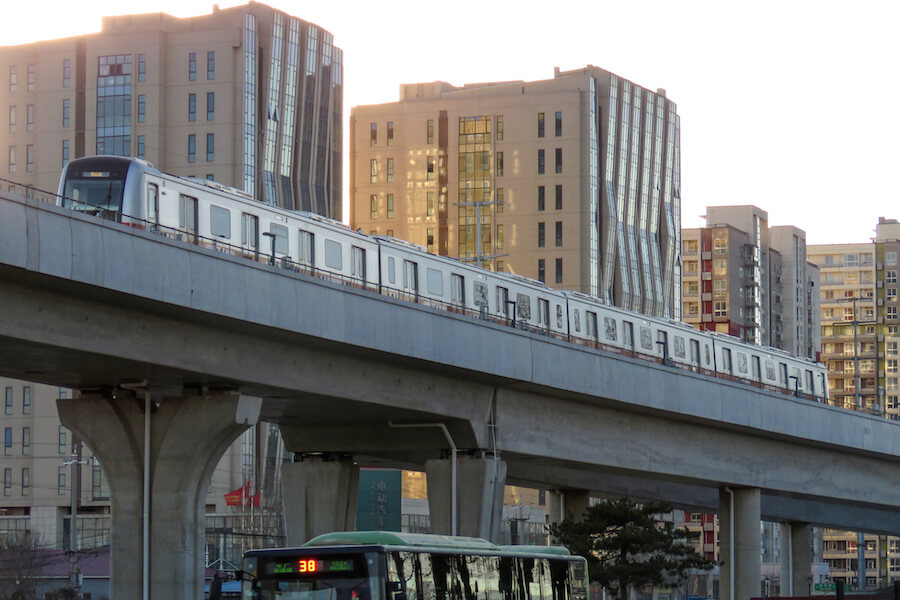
(799, 561)
(739, 552)
(320, 496)
(479, 497)
(188, 436)
(567, 503)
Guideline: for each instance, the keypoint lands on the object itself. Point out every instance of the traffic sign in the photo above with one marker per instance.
(826, 587)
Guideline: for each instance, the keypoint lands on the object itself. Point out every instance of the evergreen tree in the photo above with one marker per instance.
(626, 545)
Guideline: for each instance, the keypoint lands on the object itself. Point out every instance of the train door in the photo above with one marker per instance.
(757, 370)
(591, 318)
(810, 384)
(628, 333)
(250, 233)
(306, 252)
(152, 206)
(726, 361)
(411, 278)
(457, 290)
(695, 354)
(358, 265)
(783, 375)
(187, 217)
(503, 301)
(544, 313)
(662, 341)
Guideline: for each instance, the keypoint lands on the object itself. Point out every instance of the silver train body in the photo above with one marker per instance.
(131, 191)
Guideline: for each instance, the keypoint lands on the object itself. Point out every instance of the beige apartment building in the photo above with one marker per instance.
(573, 181)
(752, 281)
(248, 96)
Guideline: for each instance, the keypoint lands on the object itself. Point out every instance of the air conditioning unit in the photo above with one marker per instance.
(707, 317)
(706, 297)
(879, 284)
(706, 255)
(706, 276)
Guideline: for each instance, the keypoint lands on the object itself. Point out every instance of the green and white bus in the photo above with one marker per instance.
(382, 565)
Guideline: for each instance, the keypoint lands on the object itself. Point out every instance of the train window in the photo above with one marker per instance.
(695, 353)
(434, 282)
(523, 307)
(757, 370)
(250, 231)
(591, 323)
(810, 382)
(577, 319)
(306, 248)
(334, 258)
(742, 363)
(153, 203)
(219, 221)
(678, 347)
(706, 354)
(457, 289)
(609, 327)
(392, 270)
(544, 313)
(280, 233)
(358, 263)
(770, 370)
(503, 301)
(628, 334)
(480, 292)
(782, 374)
(411, 276)
(187, 213)
(726, 360)
(646, 338)
(559, 316)
(662, 341)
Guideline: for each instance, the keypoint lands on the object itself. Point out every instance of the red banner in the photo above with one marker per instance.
(241, 497)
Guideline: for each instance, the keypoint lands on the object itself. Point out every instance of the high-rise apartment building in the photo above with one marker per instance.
(574, 181)
(752, 281)
(248, 96)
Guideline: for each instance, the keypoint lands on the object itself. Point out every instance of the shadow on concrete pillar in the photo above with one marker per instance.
(188, 436)
(746, 540)
(320, 496)
(801, 558)
(567, 503)
(479, 497)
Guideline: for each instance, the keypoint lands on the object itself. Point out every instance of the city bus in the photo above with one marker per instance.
(382, 565)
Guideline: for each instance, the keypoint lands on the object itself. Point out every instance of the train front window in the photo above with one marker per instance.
(87, 190)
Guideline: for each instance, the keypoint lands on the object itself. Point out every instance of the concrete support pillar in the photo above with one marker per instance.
(479, 496)
(567, 503)
(319, 497)
(188, 436)
(739, 550)
(801, 557)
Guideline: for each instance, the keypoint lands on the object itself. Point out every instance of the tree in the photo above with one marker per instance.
(22, 561)
(627, 546)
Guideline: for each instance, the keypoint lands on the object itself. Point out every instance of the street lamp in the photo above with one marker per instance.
(272, 237)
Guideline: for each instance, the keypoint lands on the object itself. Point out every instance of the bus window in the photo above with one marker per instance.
(403, 568)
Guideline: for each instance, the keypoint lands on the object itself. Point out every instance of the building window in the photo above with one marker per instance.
(12, 118)
(7, 482)
(140, 147)
(192, 66)
(142, 67)
(499, 128)
(12, 159)
(499, 203)
(720, 288)
(499, 237)
(192, 148)
(373, 134)
(890, 294)
(499, 164)
(210, 147)
(65, 152)
(429, 167)
(29, 158)
(61, 481)
(890, 258)
(192, 107)
(373, 170)
(558, 197)
(720, 246)
(26, 441)
(540, 165)
(559, 233)
(67, 112)
(99, 489)
(429, 131)
(541, 271)
(26, 400)
(390, 170)
(210, 106)
(429, 240)
(720, 309)
(890, 276)
(141, 107)
(26, 480)
(891, 312)
(540, 124)
(390, 133)
(7, 441)
(558, 123)
(67, 72)
(12, 79)
(540, 235)
(559, 160)
(29, 117)
(32, 77)
(559, 270)
(211, 65)
(429, 204)
(390, 206)
(62, 444)
(373, 206)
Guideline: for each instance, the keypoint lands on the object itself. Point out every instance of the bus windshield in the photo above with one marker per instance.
(309, 575)
(318, 589)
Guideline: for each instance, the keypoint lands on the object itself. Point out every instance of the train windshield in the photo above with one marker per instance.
(95, 188)
(311, 577)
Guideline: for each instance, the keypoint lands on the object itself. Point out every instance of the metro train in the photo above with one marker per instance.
(131, 191)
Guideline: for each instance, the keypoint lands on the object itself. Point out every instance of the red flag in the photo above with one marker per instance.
(239, 497)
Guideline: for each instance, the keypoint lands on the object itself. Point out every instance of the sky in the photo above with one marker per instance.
(788, 105)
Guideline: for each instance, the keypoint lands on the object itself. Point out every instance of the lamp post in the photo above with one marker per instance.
(271, 237)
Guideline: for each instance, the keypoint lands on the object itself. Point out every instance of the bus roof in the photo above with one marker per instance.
(394, 538)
